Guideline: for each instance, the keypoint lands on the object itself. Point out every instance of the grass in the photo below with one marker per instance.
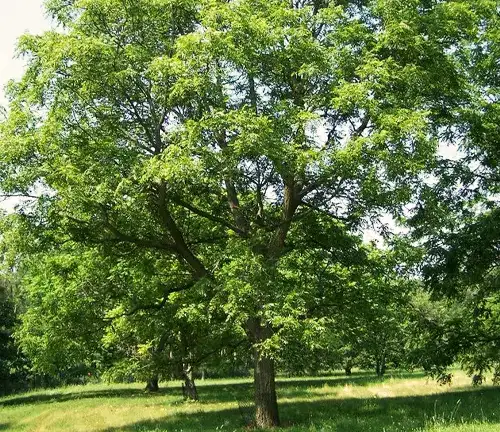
(360, 403)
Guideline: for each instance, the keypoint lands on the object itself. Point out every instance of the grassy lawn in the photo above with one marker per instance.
(361, 403)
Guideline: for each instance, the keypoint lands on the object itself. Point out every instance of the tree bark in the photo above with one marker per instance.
(348, 366)
(152, 384)
(380, 366)
(266, 401)
(183, 251)
(189, 387)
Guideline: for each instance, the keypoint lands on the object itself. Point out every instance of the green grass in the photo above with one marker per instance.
(361, 403)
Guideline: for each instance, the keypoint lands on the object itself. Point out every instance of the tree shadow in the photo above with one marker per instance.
(408, 413)
(209, 392)
(348, 415)
(4, 426)
(82, 394)
(292, 387)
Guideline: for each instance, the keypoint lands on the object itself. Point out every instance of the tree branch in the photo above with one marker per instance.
(182, 248)
(326, 212)
(161, 304)
(122, 237)
(206, 215)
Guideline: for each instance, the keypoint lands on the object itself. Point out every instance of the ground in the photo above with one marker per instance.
(360, 403)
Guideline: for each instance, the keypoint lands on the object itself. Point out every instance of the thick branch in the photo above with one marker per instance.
(160, 305)
(120, 237)
(143, 124)
(290, 204)
(361, 128)
(252, 92)
(234, 205)
(326, 212)
(182, 248)
(232, 195)
(20, 195)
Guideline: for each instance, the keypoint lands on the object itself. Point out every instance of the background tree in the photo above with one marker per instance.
(7, 347)
(457, 216)
(14, 366)
(85, 312)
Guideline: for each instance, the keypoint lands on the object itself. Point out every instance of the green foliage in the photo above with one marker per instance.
(202, 160)
(13, 365)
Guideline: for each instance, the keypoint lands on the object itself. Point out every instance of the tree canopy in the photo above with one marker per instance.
(216, 152)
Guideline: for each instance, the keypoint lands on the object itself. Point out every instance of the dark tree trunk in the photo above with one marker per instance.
(348, 367)
(264, 378)
(189, 387)
(152, 384)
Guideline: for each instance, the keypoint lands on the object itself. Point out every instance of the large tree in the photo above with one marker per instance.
(229, 139)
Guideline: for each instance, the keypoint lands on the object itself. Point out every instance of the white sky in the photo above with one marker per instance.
(16, 18)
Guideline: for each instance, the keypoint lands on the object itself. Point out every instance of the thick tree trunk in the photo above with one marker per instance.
(189, 387)
(266, 402)
(152, 384)
(264, 377)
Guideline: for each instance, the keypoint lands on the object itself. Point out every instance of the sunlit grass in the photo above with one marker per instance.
(360, 403)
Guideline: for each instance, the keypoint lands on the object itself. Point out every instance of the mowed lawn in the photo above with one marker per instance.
(360, 403)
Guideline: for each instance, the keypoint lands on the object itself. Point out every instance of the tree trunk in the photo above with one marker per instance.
(266, 401)
(380, 366)
(189, 387)
(152, 384)
(348, 367)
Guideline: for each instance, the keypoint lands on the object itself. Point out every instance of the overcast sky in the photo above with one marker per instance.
(17, 17)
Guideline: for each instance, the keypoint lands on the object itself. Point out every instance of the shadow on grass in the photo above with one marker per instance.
(293, 387)
(209, 392)
(212, 392)
(348, 415)
(4, 426)
(83, 394)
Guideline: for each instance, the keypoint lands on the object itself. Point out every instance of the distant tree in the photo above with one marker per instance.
(369, 319)
(13, 365)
